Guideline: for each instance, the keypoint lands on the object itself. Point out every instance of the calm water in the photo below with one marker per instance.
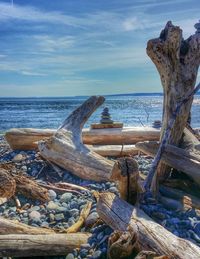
(50, 112)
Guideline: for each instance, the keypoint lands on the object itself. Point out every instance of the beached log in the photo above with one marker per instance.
(67, 150)
(40, 245)
(120, 215)
(27, 138)
(177, 61)
(126, 174)
(178, 158)
(7, 184)
(14, 227)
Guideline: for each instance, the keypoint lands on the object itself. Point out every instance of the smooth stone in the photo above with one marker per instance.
(45, 224)
(18, 158)
(71, 221)
(91, 219)
(59, 217)
(70, 256)
(52, 205)
(66, 197)
(158, 215)
(24, 168)
(83, 253)
(51, 217)
(113, 189)
(13, 209)
(52, 195)
(35, 216)
(85, 246)
(73, 205)
(61, 209)
(74, 212)
(97, 254)
(100, 236)
(35, 208)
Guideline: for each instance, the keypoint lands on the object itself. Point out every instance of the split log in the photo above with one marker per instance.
(126, 174)
(178, 158)
(27, 138)
(120, 215)
(41, 245)
(177, 61)
(66, 149)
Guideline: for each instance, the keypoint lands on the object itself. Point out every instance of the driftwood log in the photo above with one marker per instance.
(67, 150)
(120, 215)
(41, 245)
(177, 61)
(178, 158)
(27, 139)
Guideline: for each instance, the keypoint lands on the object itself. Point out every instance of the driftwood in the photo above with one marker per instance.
(14, 227)
(41, 245)
(66, 149)
(20, 184)
(126, 174)
(27, 139)
(83, 216)
(177, 61)
(120, 215)
(185, 161)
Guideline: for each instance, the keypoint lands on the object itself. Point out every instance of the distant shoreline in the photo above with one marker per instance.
(85, 96)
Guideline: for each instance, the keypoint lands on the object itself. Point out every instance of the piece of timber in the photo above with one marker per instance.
(180, 159)
(120, 215)
(41, 245)
(27, 138)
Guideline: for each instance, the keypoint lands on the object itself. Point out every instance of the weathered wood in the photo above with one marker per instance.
(41, 245)
(178, 158)
(14, 227)
(27, 138)
(126, 174)
(7, 184)
(177, 61)
(120, 215)
(66, 149)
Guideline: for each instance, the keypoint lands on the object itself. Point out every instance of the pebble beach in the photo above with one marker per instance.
(63, 210)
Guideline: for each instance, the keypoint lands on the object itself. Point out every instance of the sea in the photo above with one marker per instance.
(48, 112)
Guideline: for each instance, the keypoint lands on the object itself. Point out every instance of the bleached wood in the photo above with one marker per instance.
(120, 215)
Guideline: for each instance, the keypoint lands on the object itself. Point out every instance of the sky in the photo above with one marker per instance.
(84, 47)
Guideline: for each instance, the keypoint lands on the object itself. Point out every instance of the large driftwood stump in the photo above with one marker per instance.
(67, 150)
(177, 61)
(120, 215)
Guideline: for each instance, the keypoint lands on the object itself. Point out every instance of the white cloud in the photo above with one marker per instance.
(30, 73)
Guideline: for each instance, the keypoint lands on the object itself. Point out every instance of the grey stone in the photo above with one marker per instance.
(52, 195)
(35, 208)
(70, 256)
(74, 212)
(66, 197)
(51, 217)
(18, 158)
(91, 219)
(45, 224)
(52, 205)
(35, 216)
(71, 221)
(59, 217)
(97, 254)
(113, 189)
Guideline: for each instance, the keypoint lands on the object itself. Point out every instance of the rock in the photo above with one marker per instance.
(158, 215)
(66, 197)
(18, 158)
(97, 254)
(100, 236)
(59, 217)
(74, 205)
(70, 256)
(35, 216)
(24, 168)
(83, 252)
(35, 208)
(45, 224)
(51, 217)
(52, 195)
(113, 189)
(61, 209)
(85, 246)
(91, 219)
(74, 212)
(52, 206)
(71, 221)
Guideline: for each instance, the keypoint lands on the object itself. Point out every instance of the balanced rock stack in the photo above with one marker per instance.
(105, 117)
(157, 124)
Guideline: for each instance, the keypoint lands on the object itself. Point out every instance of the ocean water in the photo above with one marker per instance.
(50, 112)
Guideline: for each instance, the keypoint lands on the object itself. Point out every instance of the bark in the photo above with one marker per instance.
(67, 150)
(40, 245)
(177, 61)
(180, 159)
(120, 215)
(27, 139)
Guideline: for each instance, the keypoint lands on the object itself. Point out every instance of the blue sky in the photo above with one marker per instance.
(84, 47)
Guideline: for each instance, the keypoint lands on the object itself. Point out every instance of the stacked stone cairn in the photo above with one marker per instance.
(105, 117)
(157, 124)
